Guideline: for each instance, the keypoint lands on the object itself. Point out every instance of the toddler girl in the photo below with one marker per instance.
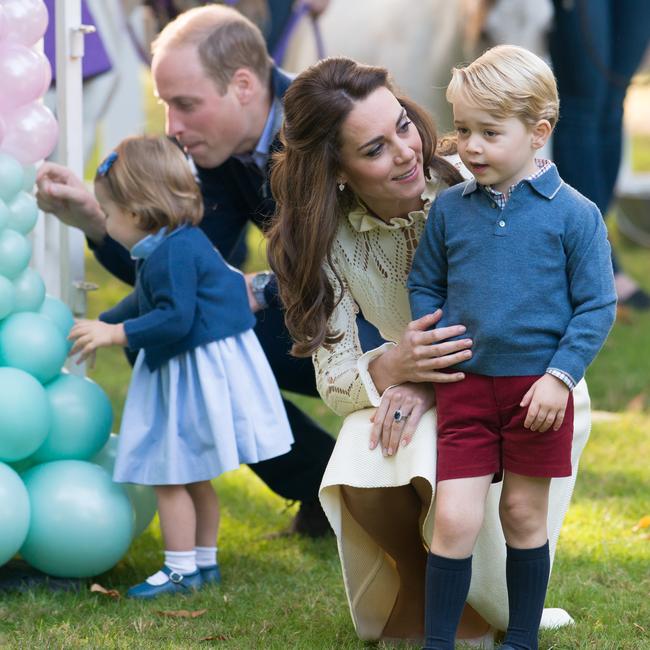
(202, 397)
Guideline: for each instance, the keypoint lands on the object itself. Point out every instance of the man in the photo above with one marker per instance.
(223, 103)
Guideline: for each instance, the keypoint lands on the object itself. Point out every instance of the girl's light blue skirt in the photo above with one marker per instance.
(201, 414)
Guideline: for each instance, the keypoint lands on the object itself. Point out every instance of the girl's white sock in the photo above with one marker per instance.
(182, 562)
(206, 556)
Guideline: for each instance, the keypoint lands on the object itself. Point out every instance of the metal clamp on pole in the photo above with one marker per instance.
(80, 297)
(77, 39)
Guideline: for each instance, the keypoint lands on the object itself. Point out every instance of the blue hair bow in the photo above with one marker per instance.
(103, 169)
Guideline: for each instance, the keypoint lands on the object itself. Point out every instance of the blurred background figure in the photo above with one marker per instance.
(596, 47)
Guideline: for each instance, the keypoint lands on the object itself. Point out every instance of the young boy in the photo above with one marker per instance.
(523, 261)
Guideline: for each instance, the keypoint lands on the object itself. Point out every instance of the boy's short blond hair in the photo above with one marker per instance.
(508, 81)
(224, 39)
(151, 178)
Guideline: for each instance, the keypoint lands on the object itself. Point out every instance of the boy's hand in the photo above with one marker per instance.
(546, 400)
(88, 335)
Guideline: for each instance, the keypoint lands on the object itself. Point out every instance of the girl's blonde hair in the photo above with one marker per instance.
(150, 177)
(508, 81)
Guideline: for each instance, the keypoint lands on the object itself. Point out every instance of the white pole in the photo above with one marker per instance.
(69, 52)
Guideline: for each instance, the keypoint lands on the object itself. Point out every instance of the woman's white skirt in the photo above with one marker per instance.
(371, 581)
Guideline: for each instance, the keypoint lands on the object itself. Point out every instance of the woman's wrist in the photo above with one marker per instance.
(383, 370)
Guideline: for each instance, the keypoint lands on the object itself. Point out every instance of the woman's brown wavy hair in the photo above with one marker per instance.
(304, 184)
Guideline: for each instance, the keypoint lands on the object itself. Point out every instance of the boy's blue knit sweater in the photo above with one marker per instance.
(185, 296)
(532, 283)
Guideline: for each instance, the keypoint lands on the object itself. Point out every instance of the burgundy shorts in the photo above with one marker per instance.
(481, 431)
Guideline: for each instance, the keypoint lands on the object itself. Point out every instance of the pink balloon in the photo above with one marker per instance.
(25, 75)
(31, 133)
(2, 129)
(3, 23)
(26, 20)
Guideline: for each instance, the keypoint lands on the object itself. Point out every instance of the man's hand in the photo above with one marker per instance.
(62, 194)
(88, 335)
(546, 400)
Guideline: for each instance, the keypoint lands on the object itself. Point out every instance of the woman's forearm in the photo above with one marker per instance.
(385, 370)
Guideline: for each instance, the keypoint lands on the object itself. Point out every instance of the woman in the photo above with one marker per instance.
(353, 186)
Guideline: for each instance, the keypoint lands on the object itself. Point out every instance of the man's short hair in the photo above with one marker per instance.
(225, 40)
(508, 81)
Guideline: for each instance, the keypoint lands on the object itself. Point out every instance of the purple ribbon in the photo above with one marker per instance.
(294, 18)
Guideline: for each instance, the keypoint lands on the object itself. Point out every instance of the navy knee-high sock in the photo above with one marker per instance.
(447, 584)
(527, 571)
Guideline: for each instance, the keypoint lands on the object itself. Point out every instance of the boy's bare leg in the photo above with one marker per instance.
(524, 510)
(460, 508)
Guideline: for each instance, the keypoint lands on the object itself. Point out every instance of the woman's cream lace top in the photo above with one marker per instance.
(373, 258)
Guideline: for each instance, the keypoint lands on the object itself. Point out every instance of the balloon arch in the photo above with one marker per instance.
(59, 507)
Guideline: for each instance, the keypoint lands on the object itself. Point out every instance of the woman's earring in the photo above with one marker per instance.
(341, 186)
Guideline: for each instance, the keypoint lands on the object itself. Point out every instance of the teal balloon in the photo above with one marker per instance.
(81, 522)
(29, 291)
(21, 466)
(11, 177)
(23, 213)
(142, 497)
(7, 297)
(5, 214)
(29, 177)
(14, 513)
(59, 312)
(24, 415)
(15, 251)
(81, 419)
(33, 343)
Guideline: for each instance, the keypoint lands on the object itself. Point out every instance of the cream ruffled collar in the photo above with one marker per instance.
(362, 220)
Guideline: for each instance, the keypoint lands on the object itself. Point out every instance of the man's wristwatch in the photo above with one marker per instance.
(258, 284)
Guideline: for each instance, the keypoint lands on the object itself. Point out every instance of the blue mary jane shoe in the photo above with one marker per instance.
(177, 584)
(210, 575)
